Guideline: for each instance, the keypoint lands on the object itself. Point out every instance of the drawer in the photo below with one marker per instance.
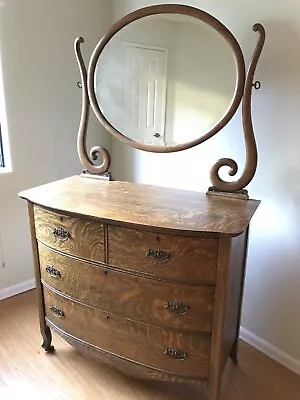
(71, 235)
(169, 305)
(169, 351)
(165, 256)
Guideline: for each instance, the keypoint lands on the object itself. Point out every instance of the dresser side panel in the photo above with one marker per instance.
(234, 299)
(219, 322)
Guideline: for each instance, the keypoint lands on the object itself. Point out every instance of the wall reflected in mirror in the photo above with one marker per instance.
(165, 79)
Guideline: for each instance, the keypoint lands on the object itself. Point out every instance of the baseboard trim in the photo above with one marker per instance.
(273, 352)
(17, 289)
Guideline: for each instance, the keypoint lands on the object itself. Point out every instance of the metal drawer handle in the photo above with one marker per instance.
(177, 307)
(57, 312)
(53, 272)
(158, 256)
(61, 234)
(176, 354)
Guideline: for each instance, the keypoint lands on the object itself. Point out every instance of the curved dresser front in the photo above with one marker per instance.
(156, 301)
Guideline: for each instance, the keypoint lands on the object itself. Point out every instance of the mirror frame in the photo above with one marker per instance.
(243, 93)
(169, 9)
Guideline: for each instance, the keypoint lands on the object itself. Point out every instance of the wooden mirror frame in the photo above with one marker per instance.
(169, 9)
(243, 91)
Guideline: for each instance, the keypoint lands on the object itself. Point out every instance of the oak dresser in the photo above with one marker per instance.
(145, 278)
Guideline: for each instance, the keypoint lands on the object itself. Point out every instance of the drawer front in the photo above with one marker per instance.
(71, 235)
(169, 305)
(165, 256)
(173, 352)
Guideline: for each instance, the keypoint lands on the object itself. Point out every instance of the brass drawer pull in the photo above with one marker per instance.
(177, 307)
(177, 354)
(158, 256)
(57, 312)
(53, 272)
(61, 234)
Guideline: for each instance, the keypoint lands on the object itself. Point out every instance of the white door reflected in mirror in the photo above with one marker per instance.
(165, 79)
(144, 93)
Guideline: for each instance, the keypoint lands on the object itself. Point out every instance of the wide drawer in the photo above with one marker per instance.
(169, 351)
(166, 256)
(170, 305)
(75, 236)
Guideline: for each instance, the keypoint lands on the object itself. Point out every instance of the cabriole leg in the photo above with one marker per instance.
(47, 336)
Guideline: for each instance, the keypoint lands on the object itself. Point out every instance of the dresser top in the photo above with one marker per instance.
(139, 205)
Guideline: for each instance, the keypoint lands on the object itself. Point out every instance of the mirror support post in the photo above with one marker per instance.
(251, 149)
(86, 160)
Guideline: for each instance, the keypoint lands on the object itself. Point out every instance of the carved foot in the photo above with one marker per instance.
(48, 349)
(47, 336)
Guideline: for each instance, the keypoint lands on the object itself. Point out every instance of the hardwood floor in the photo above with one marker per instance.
(27, 372)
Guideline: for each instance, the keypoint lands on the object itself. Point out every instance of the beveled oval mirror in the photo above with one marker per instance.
(168, 81)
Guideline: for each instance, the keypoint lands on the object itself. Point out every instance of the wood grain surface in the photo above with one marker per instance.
(86, 237)
(190, 259)
(147, 206)
(133, 341)
(216, 359)
(133, 297)
(44, 329)
(26, 372)
(123, 252)
(130, 368)
(234, 297)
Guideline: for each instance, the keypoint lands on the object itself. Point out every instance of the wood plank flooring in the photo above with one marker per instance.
(26, 372)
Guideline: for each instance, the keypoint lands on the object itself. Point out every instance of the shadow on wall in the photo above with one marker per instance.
(284, 60)
(273, 278)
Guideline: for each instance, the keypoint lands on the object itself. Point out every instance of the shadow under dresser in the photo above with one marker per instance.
(145, 278)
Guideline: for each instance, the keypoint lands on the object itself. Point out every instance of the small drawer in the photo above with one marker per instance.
(168, 351)
(71, 235)
(169, 305)
(171, 257)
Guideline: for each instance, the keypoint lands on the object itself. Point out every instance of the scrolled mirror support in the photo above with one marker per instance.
(95, 152)
(250, 143)
(245, 84)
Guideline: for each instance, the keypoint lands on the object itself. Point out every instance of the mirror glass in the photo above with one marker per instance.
(165, 79)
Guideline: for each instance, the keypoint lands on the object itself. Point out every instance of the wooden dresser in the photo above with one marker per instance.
(147, 279)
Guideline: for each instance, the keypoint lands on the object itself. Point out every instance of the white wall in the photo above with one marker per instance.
(43, 107)
(272, 294)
